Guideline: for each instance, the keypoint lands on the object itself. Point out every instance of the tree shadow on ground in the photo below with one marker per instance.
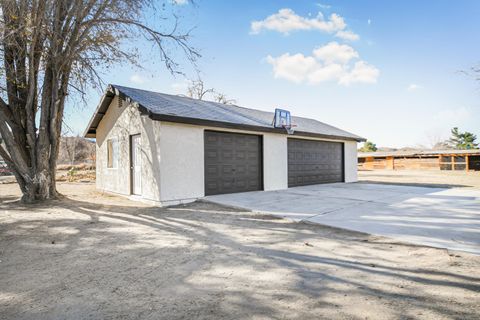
(207, 261)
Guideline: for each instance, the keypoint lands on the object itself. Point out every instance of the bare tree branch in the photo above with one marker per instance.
(49, 47)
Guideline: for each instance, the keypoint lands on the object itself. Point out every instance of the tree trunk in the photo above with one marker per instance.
(40, 186)
(45, 43)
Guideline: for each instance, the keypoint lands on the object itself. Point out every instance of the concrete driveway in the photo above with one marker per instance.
(438, 217)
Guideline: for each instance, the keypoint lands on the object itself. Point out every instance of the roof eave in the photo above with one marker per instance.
(231, 125)
(91, 130)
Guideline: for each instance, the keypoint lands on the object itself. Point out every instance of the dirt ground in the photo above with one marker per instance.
(435, 178)
(95, 256)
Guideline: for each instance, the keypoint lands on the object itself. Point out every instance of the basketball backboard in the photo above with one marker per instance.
(282, 119)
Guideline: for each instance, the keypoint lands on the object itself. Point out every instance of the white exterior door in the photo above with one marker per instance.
(136, 164)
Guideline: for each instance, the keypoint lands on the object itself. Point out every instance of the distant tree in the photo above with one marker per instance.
(75, 149)
(71, 144)
(368, 146)
(442, 145)
(198, 90)
(462, 140)
(436, 140)
(222, 98)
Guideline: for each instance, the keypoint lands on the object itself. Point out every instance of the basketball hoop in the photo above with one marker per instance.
(282, 119)
(289, 129)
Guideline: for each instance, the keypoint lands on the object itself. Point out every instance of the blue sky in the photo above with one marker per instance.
(388, 71)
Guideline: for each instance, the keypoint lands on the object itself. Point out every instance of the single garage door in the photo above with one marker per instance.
(313, 162)
(233, 162)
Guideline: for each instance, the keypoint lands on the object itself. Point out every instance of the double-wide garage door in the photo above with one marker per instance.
(233, 162)
(314, 162)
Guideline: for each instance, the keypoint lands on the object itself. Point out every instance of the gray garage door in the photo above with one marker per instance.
(313, 162)
(233, 162)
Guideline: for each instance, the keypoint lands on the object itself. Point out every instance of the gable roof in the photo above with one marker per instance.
(172, 108)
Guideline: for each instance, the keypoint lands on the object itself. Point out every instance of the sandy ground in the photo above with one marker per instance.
(423, 177)
(94, 256)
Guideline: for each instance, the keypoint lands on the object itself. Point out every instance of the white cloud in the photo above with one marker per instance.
(362, 72)
(331, 62)
(369, 21)
(292, 67)
(329, 72)
(286, 20)
(137, 79)
(347, 35)
(324, 6)
(180, 2)
(335, 52)
(413, 87)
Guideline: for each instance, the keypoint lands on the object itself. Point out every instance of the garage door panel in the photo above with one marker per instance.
(211, 154)
(212, 170)
(226, 169)
(313, 162)
(238, 162)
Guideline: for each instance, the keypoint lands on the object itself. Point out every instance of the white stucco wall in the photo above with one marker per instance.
(113, 126)
(275, 162)
(173, 156)
(119, 122)
(350, 154)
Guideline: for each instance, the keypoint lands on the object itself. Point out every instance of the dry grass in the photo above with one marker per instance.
(81, 166)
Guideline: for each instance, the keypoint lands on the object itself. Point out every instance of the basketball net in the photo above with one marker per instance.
(289, 128)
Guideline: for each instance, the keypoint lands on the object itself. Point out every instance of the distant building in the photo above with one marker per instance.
(467, 160)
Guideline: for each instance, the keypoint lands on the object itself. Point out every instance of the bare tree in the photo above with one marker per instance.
(73, 149)
(51, 47)
(436, 139)
(222, 98)
(70, 145)
(197, 90)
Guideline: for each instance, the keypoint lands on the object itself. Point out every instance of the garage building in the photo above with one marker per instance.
(172, 149)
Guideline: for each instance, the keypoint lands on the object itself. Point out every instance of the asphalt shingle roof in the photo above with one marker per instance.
(183, 107)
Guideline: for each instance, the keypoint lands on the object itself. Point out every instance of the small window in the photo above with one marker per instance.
(112, 153)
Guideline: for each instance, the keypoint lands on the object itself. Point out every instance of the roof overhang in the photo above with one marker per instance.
(237, 126)
(91, 130)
